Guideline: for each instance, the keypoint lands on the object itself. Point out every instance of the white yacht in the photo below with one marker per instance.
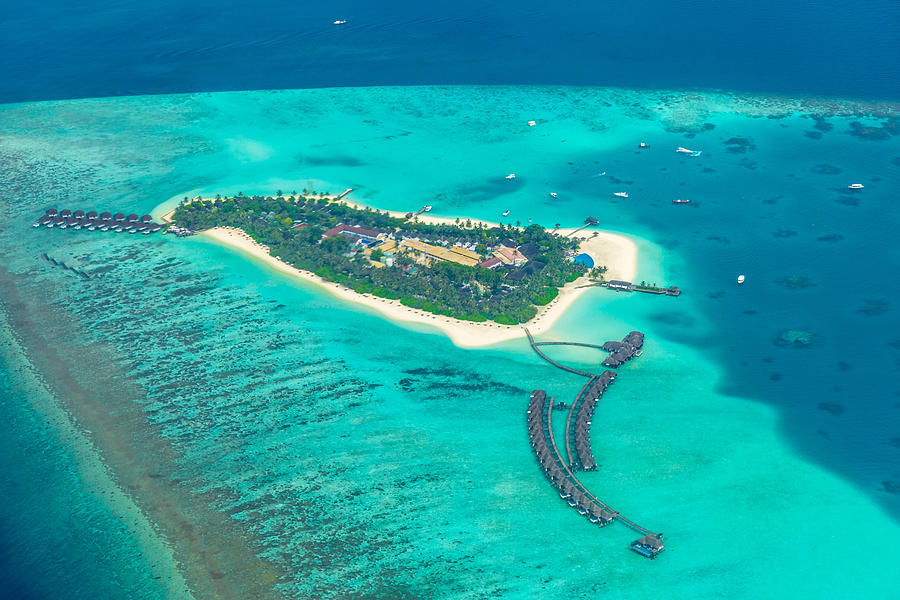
(426, 208)
(342, 22)
(689, 151)
(505, 213)
(741, 279)
(855, 186)
(621, 194)
(553, 194)
(511, 176)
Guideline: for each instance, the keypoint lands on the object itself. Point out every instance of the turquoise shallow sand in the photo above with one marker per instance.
(359, 458)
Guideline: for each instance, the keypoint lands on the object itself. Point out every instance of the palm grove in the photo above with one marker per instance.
(293, 230)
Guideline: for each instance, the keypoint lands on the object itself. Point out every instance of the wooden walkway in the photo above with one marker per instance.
(540, 417)
(535, 345)
(560, 471)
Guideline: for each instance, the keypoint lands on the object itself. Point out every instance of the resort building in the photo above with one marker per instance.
(355, 232)
(456, 254)
(491, 263)
(510, 256)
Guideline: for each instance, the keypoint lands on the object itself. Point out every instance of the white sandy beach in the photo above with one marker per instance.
(615, 251)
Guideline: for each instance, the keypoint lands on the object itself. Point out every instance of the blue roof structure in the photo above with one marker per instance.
(586, 260)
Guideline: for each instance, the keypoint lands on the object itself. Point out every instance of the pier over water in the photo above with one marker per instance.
(559, 470)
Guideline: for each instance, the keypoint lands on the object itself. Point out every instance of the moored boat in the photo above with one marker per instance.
(740, 279)
(681, 201)
(855, 186)
(621, 194)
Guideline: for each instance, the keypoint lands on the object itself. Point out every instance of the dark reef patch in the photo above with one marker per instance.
(830, 238)
(822, 123)
(795, 282)
(747, 163)
(892, 487)
(832, 407)
(826, 169)
(739, 145)
(845, 366)
(889, 127)
(874, 308)
(847, 200)
(816, 135)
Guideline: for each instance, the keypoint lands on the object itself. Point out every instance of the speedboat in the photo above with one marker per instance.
(511, 176)
(505, 213)
(681, 201)
(855, 186)
(741, 279)
(553, 194)
(532, 123)
(621, 194)
(688, 151)
(643, 145)
(339, 22)
(426, 208)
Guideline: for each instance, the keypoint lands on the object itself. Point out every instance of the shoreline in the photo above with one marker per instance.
(617, 250)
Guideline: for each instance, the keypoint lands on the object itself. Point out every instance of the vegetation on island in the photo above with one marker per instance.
(301, 231)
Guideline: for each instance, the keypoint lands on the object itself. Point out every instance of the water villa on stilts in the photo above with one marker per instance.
(92, 221)
(560, 471)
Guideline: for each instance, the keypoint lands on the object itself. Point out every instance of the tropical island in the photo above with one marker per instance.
(460, 272)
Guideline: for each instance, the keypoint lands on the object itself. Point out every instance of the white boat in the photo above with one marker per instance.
(689, 151)
(681, 201)
(532, 123)
(511, 176)
(621, 194)
(553, 194)
(505, 213)
(339, 22)
(855, 186)
(643, 145)
(741, 279)
(426, 208)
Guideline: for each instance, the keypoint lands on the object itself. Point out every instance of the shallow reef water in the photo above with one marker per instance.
(353, 457)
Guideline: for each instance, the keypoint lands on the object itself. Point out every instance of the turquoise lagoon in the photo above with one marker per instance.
(360, 458)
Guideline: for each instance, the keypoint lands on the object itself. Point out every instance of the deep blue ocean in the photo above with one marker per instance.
(58, 49)
(837, 402)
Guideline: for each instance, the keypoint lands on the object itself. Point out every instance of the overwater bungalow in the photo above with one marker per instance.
(105, 216)
(51, 212)
(650, 545)
(91, 214)
(146, 219)
(65, 213)
(132, 218)
(78, 214)
(120, 217)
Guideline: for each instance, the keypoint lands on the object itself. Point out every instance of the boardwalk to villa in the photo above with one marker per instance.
(560, 471)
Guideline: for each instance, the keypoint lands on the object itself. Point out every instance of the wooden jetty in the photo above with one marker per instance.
(627, 286)
(562, 478)
(561, 472)
(578, 433)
